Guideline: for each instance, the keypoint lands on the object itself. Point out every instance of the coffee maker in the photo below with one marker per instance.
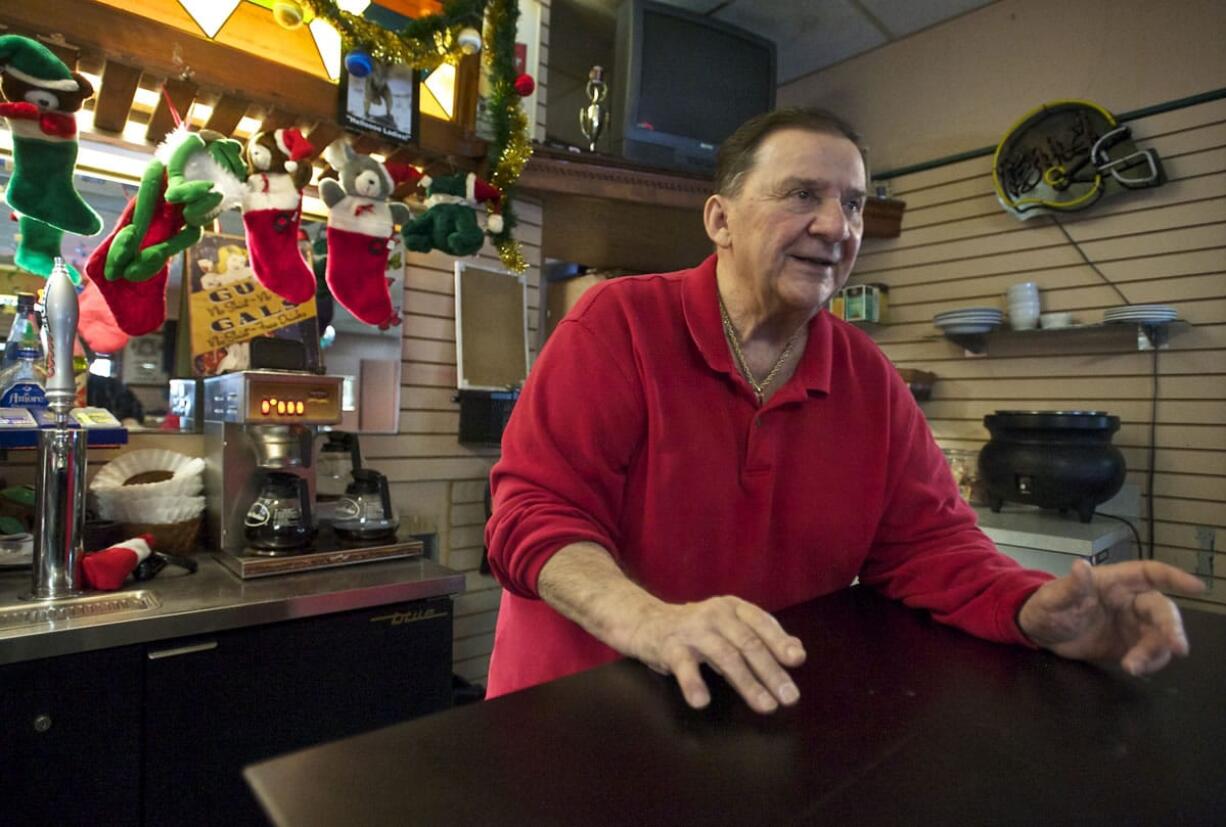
(259, 434)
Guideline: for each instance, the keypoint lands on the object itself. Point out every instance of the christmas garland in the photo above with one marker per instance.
(426, 43)
(511, 148)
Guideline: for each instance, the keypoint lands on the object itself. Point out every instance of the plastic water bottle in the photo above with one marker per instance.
(25, 330)
(23, 383)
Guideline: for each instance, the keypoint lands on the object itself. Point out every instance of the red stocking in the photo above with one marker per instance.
(139, 307)
(98, 326)
(357, 276)
(272, 243)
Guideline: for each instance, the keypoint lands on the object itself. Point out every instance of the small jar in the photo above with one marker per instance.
(855, 307)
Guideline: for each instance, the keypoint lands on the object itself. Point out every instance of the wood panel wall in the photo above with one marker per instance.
(436, 482)
(1167, 245)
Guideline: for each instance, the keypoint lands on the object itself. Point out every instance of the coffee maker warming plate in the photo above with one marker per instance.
(323, 554)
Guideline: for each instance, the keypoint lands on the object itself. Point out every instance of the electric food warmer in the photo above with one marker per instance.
(1053, 459)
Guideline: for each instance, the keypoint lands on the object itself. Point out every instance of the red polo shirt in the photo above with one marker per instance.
(635, 431)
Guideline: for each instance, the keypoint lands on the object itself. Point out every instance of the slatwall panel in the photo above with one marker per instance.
(435, 480)
(1166, 245)
(542, 75)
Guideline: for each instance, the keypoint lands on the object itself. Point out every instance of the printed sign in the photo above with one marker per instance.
(228, 308)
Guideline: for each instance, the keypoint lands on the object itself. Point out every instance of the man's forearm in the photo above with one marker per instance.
(583, 583)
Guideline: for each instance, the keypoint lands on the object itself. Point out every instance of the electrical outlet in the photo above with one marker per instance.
(1206, 538)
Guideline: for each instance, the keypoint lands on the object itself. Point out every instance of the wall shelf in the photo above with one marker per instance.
(556, 171)
(1142, 336)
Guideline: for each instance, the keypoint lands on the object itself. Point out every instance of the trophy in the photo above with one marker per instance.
(592, 116)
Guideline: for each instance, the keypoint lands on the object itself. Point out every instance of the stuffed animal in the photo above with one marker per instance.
(193, 177)
(361, 224)
(450, 222)
(40, 96)
(272, 211)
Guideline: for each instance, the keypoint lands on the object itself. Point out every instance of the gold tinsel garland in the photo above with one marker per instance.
(423, 44)
(506, 172)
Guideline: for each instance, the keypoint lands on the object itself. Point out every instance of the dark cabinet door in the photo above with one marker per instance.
(217, 703)
(70, 739)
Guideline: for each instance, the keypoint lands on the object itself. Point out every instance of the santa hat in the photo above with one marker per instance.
(107, 569)
(486, 193)
(32, 62)
(406, 174)
(291, 143)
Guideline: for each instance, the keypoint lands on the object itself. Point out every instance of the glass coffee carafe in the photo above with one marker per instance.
(366, 512)
(279, 518)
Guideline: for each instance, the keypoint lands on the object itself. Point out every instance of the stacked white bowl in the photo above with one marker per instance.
(1023, 305)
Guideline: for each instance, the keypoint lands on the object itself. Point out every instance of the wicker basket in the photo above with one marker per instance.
(172, 538)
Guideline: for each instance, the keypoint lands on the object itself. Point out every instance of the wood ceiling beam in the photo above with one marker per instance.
(226, 114)
(163, 50)
(114, 98)
(182, 93)
(277, 119)
(322, 134)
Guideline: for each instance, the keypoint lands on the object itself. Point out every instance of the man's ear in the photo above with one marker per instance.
(715, 220)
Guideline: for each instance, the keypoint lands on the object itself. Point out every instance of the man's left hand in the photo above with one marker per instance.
(1112, 612)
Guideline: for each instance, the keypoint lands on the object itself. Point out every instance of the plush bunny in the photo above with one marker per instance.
(361, 225)
(272, 209)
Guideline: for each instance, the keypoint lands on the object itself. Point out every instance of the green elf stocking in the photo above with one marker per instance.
(450, 220)
(38, 246)
(40, 96)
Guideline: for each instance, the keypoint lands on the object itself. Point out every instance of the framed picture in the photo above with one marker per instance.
(386, 102)
(491, 311)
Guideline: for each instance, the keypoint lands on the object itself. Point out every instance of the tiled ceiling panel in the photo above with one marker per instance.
(911, 16)
(807, 34)
(813, 34)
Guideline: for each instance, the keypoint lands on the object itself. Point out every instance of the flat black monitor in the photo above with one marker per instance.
(683, 82)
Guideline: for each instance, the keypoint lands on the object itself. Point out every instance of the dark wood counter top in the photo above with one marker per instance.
(901, 721)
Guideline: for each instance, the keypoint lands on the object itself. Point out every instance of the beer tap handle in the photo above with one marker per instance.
(62, 315)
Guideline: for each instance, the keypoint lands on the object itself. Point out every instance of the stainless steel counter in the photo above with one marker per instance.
(213, 599)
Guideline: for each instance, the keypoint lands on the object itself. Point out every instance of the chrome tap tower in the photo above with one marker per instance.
(60, 506)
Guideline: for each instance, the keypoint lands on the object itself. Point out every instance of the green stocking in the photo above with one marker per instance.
(39, 245)
(42, 186)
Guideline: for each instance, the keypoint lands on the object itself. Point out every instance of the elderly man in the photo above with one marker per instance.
(695, 450)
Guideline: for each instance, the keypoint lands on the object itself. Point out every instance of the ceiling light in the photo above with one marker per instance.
(210, 15)
(353, 6)
(328, 42)
(248, 126)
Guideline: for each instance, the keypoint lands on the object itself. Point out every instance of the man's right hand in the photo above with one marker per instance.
(735, 638)
(740, 641)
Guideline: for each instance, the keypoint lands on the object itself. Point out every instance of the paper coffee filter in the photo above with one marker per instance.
(185, 487)
(187, 472)
(154, 510)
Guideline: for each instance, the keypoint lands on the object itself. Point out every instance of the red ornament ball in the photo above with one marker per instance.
(525, 85)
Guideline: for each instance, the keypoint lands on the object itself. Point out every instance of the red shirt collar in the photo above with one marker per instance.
(700, 304)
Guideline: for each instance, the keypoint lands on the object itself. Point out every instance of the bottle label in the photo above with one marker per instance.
(24, 395)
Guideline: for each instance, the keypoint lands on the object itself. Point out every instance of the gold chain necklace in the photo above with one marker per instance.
(759, 388)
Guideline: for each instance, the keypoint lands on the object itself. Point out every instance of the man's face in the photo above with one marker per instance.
(793, 230)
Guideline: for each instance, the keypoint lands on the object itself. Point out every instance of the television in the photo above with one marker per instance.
(683, 83)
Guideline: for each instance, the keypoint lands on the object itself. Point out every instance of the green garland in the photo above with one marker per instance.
(426, 43)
